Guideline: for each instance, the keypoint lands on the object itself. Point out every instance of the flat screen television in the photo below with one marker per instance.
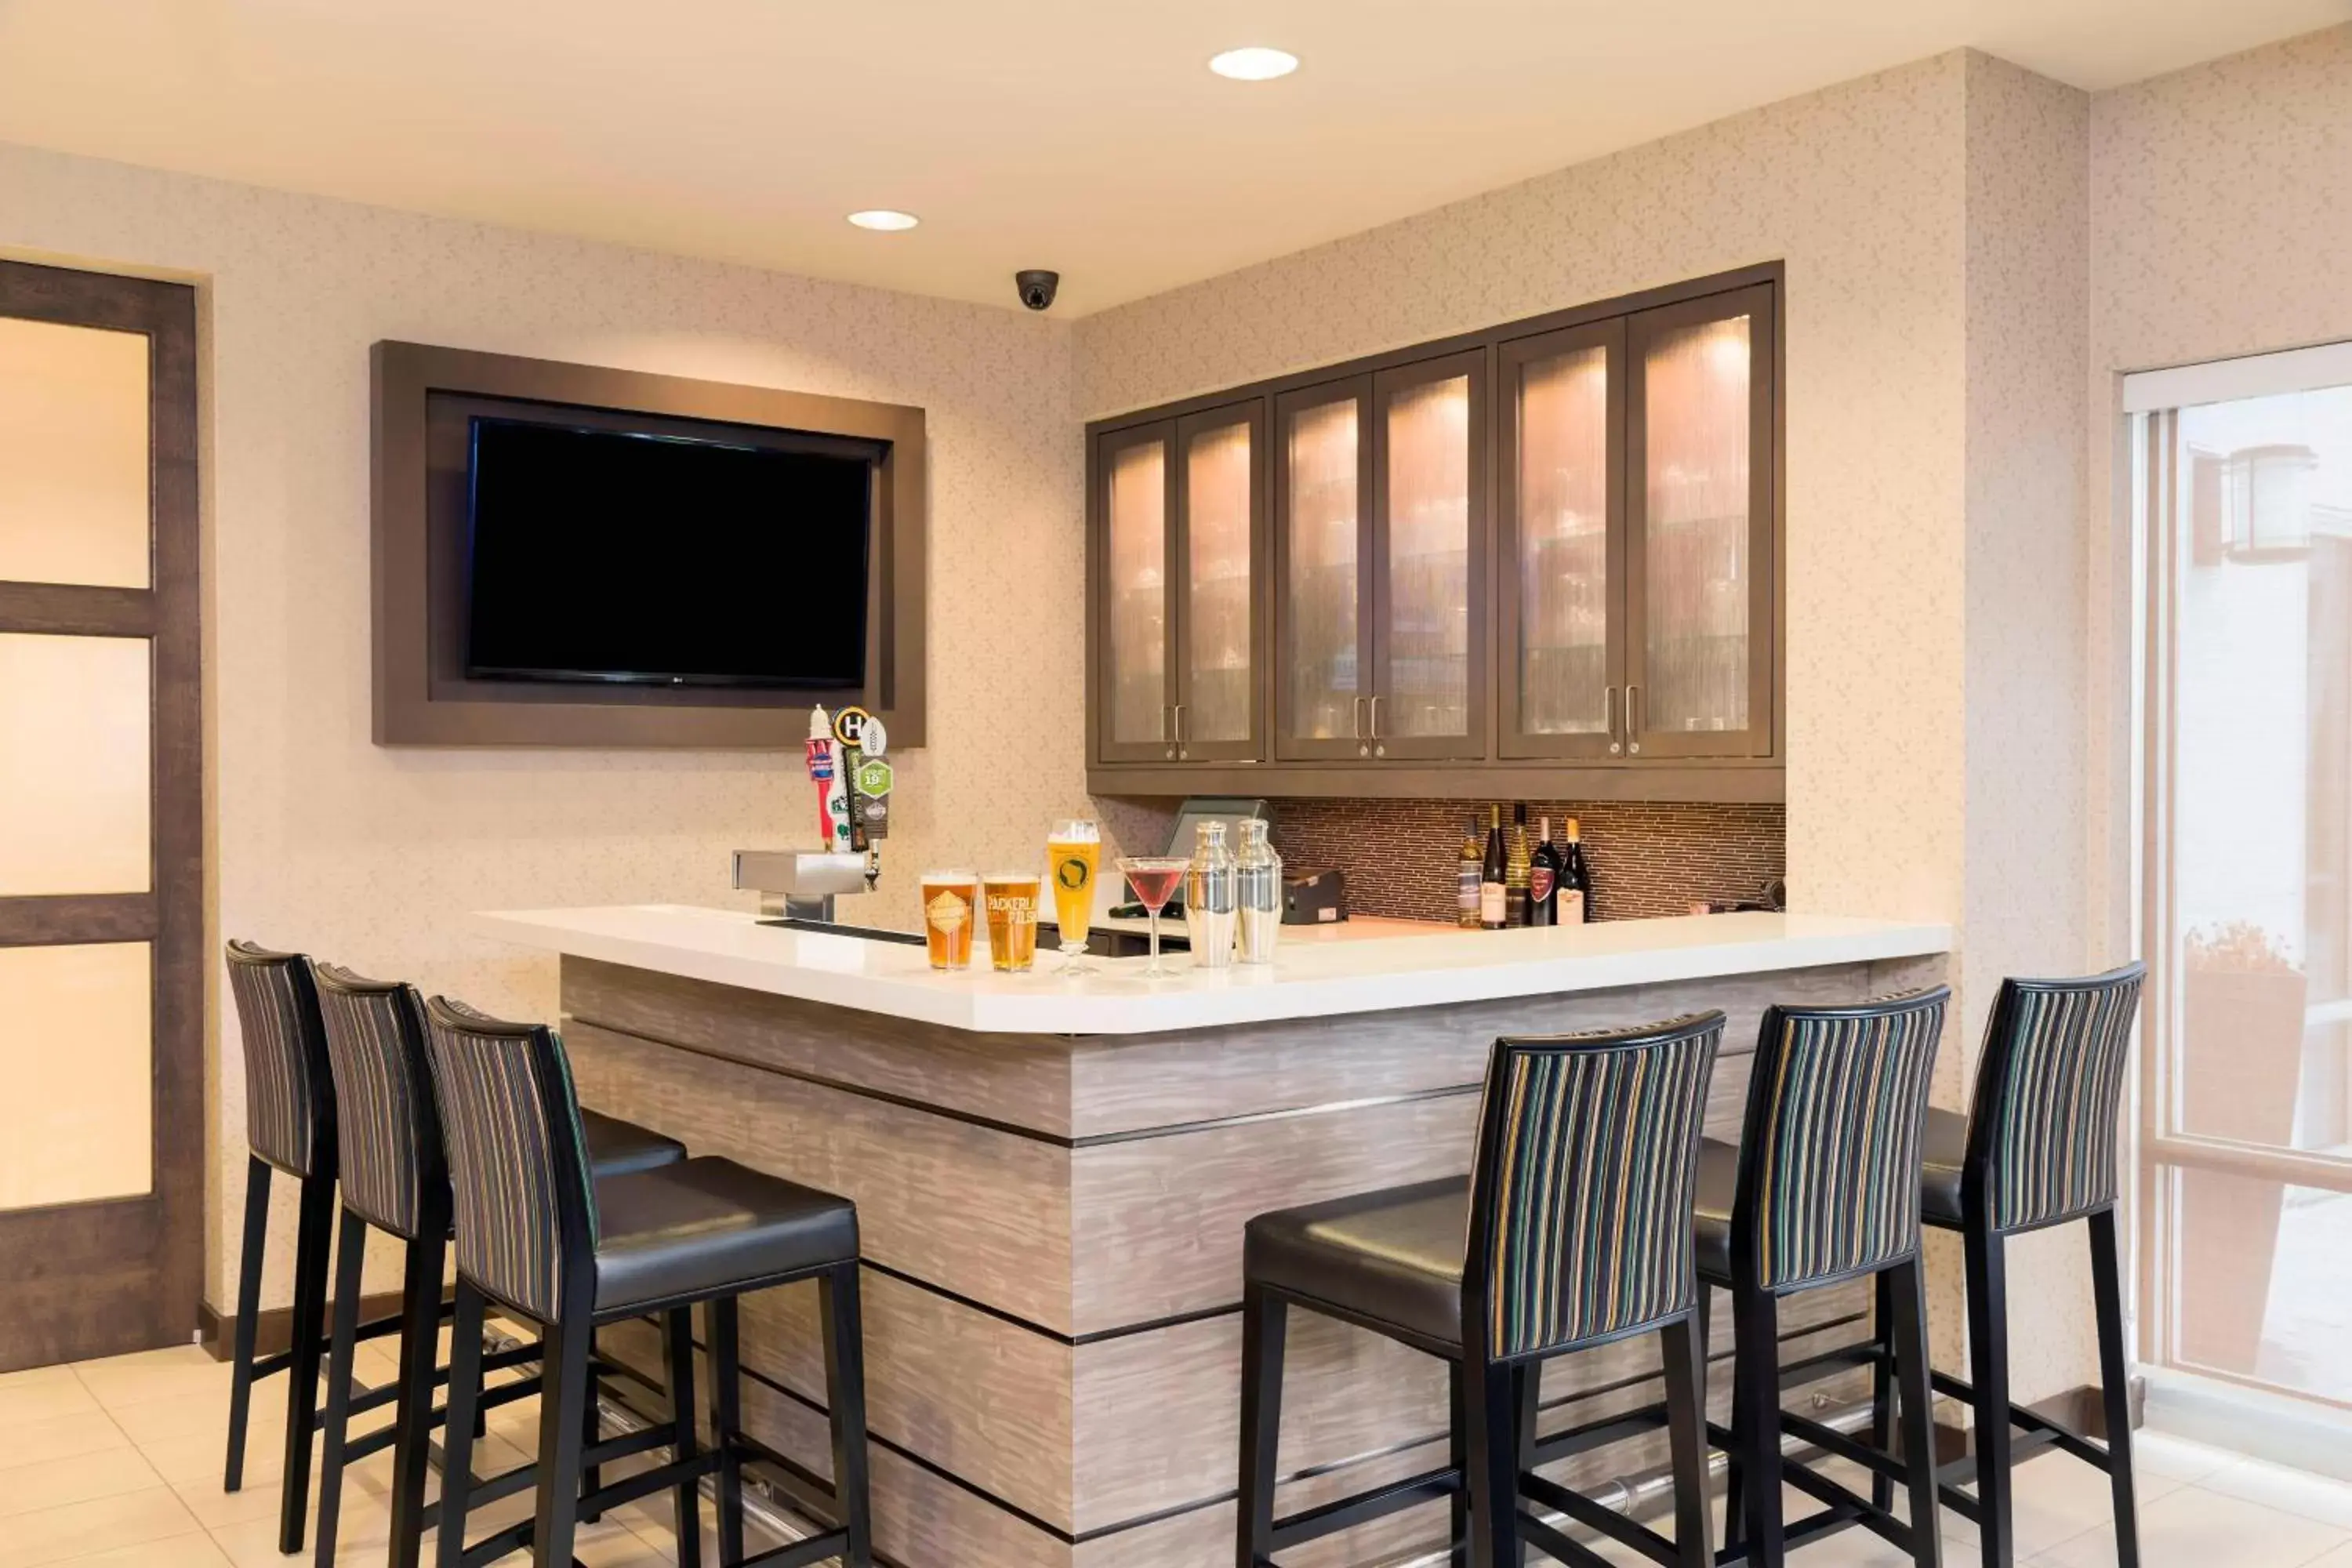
(599, 554)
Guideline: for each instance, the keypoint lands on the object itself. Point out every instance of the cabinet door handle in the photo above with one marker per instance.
(1357, 706)
(1608, 719)
(1633, 746)
(1376, 717)
(1180, 721)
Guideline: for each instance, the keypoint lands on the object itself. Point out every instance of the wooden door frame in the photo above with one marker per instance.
(1512, 359)
(1761, 304)
(64, 1291)
(1282, 410)
(1476, 365)
(1251, 414)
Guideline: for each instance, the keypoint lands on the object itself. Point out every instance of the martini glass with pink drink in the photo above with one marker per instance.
(1155, 879)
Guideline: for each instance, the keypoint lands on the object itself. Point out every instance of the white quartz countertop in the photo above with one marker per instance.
(1308, 979)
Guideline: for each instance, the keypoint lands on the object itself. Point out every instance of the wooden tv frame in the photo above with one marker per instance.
(423, 695)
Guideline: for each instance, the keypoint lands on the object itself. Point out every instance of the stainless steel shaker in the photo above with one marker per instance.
(1210, 892)
(1258, 893)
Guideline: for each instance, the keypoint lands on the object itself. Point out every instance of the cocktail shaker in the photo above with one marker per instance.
(1258, 878)
(1210, 893)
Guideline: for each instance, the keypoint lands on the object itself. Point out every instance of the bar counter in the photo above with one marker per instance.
(1052, 1176)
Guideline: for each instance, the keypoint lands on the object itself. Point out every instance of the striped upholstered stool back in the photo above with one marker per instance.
(2048, 1094)
(526, 1211)
(393, 1173)
(1829, 1160)
(1586, 1177)
(290, 1105)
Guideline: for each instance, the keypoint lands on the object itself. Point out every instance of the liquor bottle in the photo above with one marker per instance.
(1466, 896)
(1543, 879)
(1575, 880)
(1515, 871)
(1493, 868)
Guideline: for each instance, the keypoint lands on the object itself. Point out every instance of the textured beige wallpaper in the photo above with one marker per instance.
(372, 856)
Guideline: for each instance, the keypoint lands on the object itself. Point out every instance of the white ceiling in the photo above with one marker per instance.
(1085, 135)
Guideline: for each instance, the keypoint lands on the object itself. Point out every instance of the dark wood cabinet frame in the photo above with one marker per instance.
(1294, 768)
(423, 397)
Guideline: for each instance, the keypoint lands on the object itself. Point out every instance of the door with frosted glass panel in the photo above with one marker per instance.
(1428, 567)
(101, 989)
(1698, 536)
(1218, 546)
(1562, 504)
(1323, 571)
(1134, 708)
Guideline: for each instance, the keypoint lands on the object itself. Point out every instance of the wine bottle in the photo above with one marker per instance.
(1543, 879)
(1493, 868)
(1575, 880)
(1515, 871)
(1466, 896)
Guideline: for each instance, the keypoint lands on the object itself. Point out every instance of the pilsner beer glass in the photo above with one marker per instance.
(1012, 901)
(950, 909)
(1073, 857)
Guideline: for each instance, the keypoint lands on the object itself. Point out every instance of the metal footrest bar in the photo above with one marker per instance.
(1552, 1543)
(1581, 1509)
(1313, 1523)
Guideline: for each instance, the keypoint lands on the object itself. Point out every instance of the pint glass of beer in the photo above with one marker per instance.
(1011, 899)
(950, 909)
(1073, 857)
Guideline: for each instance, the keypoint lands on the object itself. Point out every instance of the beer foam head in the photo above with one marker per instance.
(1074, 832)
(996, 878)
(946, 878)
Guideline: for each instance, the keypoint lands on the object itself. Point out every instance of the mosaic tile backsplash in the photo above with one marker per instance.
(1400, 856)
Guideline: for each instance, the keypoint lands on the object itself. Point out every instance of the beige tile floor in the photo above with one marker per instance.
(116, 1464)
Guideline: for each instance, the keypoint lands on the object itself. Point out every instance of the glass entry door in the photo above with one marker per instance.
(101, 913)
(2244, 495)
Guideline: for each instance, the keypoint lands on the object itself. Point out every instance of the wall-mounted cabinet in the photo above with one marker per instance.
(1542, 558)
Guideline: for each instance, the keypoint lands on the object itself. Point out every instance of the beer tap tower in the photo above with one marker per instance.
(853, 778)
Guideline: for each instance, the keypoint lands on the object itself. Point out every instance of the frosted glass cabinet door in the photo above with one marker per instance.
(1135, 697)
(1562, 502)
(1699, 528)
(1429, 634)
(1323, 570)
(1218, 547)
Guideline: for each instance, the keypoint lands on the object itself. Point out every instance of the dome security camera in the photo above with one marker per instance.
(1037, 285)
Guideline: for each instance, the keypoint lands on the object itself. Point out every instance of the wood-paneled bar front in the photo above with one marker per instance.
(1052, 1227)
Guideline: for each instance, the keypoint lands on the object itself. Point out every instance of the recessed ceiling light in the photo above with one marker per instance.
(1254, 64)
(883, 218)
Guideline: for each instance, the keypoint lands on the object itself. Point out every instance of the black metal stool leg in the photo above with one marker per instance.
(563, 1384)
(678, 1337)
(1988, 1372)
(248, 1306)
(1265, 1324)
(2114, 1382)
(350, 1258)
(726, 1425)
(841, 1321)
(1756, 1380)
(1909, 1291)
(1458, 1457)
(420, 1358)
(1684, 1358)
(308, 1336)
(1881, 1387)
(457, 1430)
(1494, 1470)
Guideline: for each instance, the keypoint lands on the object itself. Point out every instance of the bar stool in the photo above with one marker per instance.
(538, 1235)
(1823, 1188)
(395, 1178)
(1574, 1229)
(290, 1119)
(2038, 1149)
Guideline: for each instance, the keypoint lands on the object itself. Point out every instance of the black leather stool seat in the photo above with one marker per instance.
(618, 1147)
(1393, 1255)
(678, 1232)
(1718, 1179)
(1943, 1149)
